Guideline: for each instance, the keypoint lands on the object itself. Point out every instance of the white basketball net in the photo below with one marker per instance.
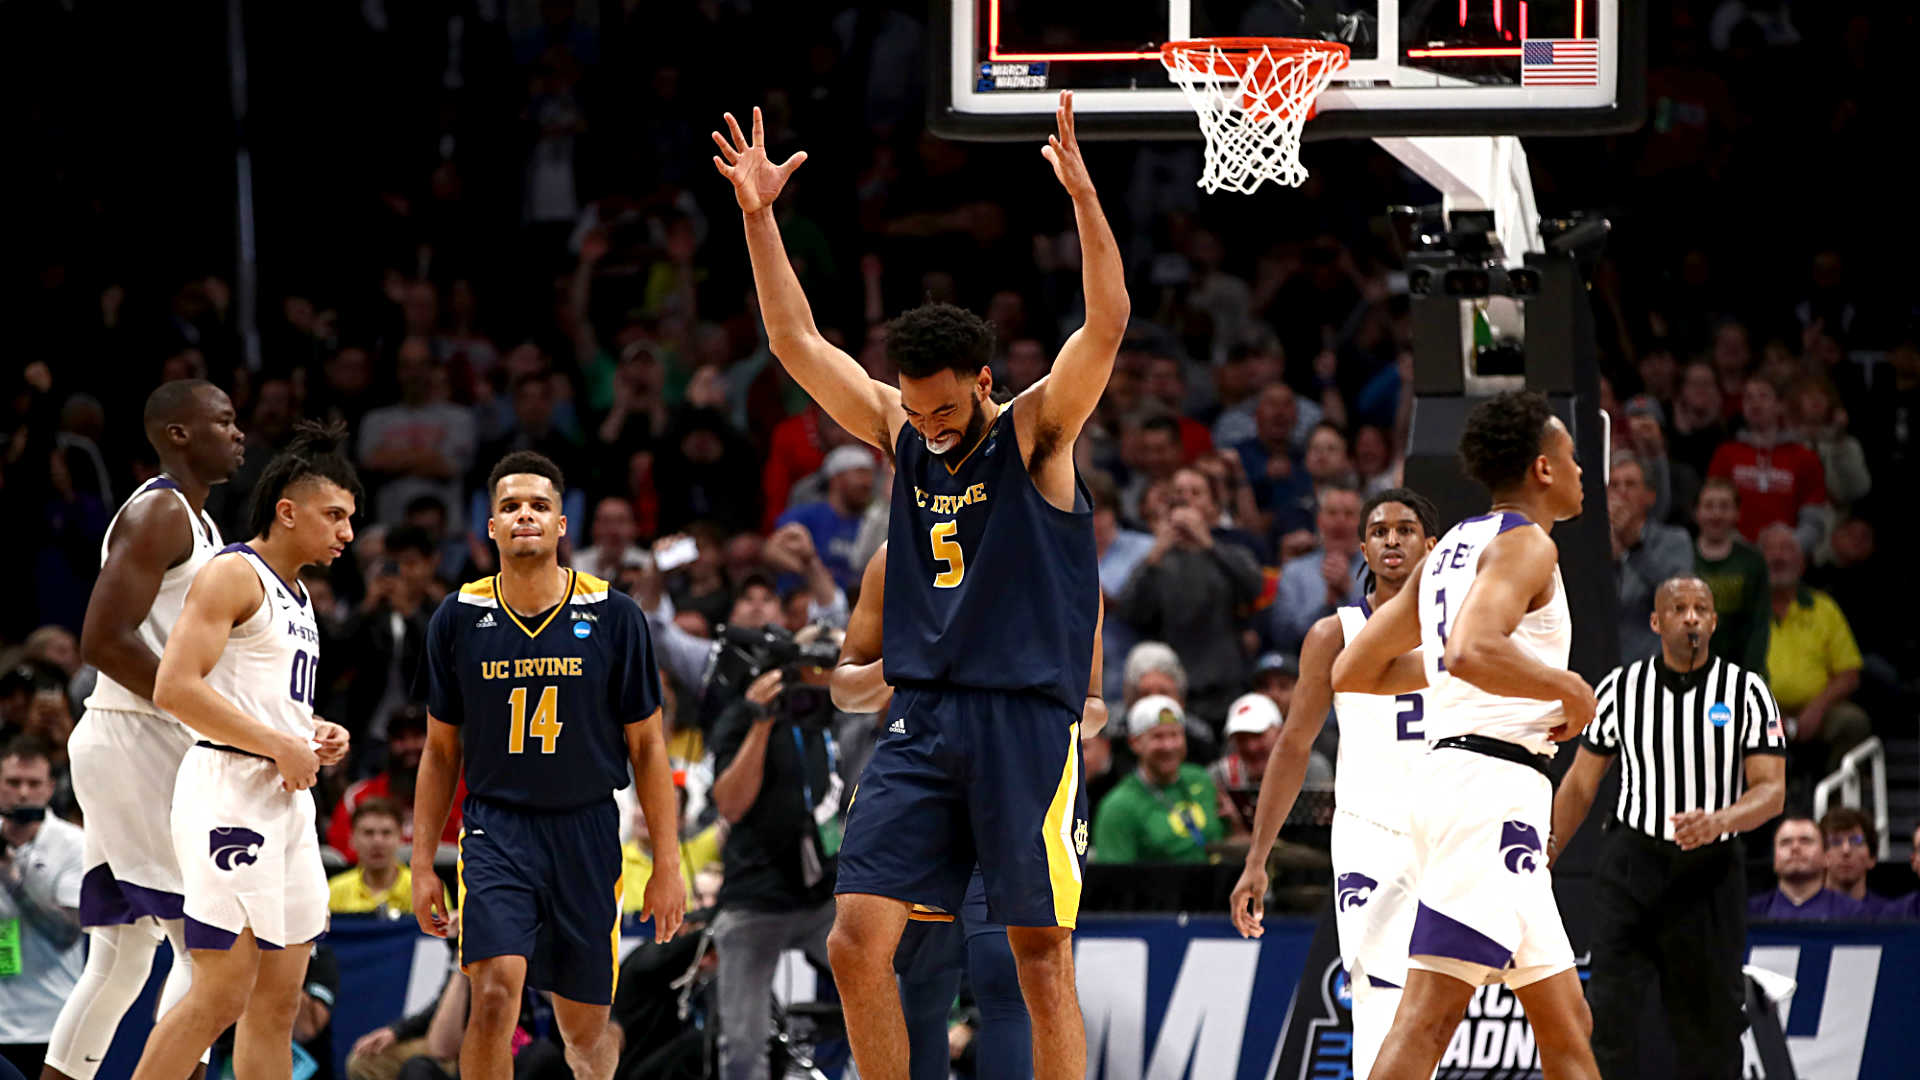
(1252, 104)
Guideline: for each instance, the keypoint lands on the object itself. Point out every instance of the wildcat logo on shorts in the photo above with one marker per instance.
(1519, 847)
(1353, 890)
(234, 847)
(1080, 835)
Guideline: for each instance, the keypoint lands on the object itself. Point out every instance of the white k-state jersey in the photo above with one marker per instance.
(267, 669)
(1383, 738)
(167, 603)
(1546, 634)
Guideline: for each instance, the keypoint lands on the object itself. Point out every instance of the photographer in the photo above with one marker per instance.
(776, 784)
(40, 870)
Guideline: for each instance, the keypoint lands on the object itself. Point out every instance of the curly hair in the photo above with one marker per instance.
(1503, 437)
(316, 453)
(939, 337)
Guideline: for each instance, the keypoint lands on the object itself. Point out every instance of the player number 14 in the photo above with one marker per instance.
(947, 550)
(544, 726)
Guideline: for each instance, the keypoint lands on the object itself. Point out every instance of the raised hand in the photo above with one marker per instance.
(755, 178)
(1063, 151)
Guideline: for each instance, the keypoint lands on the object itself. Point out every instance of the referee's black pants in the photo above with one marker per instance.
(1676, 919)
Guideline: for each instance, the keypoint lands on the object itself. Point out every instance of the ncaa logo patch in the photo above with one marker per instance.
(1352, 891)
(1519, 847)
(1720, 714)
(234, 847)
(582, 628)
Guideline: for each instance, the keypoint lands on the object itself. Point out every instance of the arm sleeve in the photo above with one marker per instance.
(1760, 728)
(442, 675)
(637, 693)
(1603, 735)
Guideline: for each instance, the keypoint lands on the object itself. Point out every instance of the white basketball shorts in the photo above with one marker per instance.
(249, 855)
(1486, 907)
(1373, 899)
(124, 767)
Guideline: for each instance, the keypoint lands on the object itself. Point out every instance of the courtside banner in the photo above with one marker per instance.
(1170, 997)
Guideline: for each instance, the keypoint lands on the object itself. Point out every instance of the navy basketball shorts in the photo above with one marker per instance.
(544, 885)
(961, 776)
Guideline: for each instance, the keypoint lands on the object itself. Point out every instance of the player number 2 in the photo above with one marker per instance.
(544, 726)
(947, 550)
(1413, 711)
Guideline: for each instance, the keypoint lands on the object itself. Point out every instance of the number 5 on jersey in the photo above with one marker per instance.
(947, 550)
(545, 725)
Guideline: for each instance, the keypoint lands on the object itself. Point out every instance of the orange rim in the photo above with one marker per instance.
(1235, 52)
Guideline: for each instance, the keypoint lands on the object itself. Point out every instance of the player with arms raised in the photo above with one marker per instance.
(992, 591)
(1382, 743)
(1490, 620)
(541, 685)
(126, 752)
(239, 669)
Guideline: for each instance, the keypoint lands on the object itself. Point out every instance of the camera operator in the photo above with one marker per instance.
(775, 758)
(40, 870)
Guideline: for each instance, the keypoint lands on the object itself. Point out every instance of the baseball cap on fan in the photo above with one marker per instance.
(1152, 711)
(1252, 714)
(846, 459)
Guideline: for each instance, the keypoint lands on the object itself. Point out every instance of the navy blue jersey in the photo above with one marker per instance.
(989, 585)
(542, 701)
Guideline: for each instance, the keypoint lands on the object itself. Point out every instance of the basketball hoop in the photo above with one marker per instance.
(1253, 96)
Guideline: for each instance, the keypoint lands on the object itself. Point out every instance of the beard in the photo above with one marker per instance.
(976, 423)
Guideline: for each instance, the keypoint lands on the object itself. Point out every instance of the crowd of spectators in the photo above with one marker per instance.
(506, 236)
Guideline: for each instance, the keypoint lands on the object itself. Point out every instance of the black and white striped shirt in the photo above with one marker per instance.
(1684, 737)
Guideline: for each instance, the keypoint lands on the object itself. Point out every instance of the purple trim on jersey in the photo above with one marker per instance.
(1511, 520)
(1435, 934)
(204, 936)
(1381, 984)
(107, 901)
(298, 595)
(160, 483)
(1366, 609)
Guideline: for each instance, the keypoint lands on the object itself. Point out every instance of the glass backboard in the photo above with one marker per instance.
(1419, 67)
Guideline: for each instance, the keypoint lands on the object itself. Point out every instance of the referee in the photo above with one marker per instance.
(1705, 761)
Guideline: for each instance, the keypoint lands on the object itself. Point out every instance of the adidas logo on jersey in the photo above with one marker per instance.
(898, 727)
(485, 621)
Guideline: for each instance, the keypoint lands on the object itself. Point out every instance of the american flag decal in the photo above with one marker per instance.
(1560, 62)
